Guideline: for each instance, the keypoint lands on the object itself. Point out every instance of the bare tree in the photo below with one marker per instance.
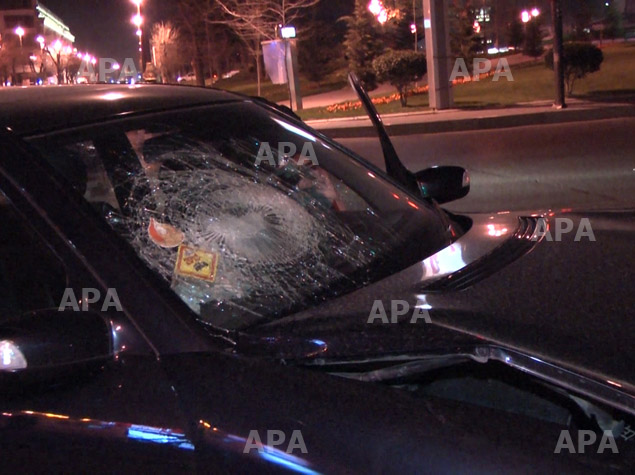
(192, 19)
(258, 20)
(164, 40)
(10, 55)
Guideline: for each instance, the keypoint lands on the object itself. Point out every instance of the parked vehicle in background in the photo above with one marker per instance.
(189, 77)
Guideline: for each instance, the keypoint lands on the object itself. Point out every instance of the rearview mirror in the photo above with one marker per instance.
(47, 343)
(444, 183)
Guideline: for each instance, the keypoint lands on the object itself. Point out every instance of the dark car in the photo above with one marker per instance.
(193, 280)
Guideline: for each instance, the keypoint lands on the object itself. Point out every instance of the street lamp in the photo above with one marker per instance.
(527, 15)
(413, 27)
(20, 32)
(137, 20)
(376, 7)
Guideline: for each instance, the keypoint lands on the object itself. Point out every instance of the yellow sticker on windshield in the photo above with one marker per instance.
(197, 263)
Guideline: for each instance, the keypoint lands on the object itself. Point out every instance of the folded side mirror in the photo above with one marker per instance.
(444, 183)
(42, 345)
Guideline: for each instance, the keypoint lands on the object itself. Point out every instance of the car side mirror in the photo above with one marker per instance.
(443, 184)
(48, 344)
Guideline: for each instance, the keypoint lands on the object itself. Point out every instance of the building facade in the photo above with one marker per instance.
(33, 42)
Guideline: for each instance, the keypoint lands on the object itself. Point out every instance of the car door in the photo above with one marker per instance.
(117, 416)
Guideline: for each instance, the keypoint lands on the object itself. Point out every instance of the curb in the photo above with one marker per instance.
(482, 123)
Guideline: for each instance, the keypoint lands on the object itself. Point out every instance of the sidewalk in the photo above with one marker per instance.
(454, 120)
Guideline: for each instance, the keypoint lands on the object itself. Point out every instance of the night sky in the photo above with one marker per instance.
(103, 27)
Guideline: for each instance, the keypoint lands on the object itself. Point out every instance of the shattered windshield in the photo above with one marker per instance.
(243, 212)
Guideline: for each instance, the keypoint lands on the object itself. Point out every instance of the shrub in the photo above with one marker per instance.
(578, 60)
(400, 68)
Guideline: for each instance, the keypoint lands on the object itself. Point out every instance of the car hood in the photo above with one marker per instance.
(511, 287)
(569, 299)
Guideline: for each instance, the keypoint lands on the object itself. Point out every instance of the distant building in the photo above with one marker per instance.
(35, 18)
(31, 27)
(495, 17)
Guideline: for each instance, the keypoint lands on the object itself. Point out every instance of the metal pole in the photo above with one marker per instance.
(291, 60)
(558, 67)
(414, 21)
(438, 55)
(140, 39)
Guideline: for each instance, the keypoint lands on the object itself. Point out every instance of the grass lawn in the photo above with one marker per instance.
(532, 82)
(246, 84)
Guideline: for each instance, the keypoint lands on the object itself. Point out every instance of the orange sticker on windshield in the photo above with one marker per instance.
(164, 235)
(197, 263)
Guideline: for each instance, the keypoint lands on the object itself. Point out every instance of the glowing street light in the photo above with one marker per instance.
(378, 10)
(137, 20)
(20, 32)
(375, 7)
(527, 15)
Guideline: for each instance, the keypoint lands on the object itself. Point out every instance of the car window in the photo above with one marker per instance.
(247, 216)
(31, 276)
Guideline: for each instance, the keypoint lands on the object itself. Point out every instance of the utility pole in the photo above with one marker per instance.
(414, 22)
(293, 78)
(558, 67)
(439, 57)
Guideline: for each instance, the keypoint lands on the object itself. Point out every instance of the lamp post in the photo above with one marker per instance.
(137, 20)
(526, 16)
(413, 27)
(41, 41)
(558, 67)
(288, 35)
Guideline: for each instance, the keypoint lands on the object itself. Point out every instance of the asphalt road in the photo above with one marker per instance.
(581, 165)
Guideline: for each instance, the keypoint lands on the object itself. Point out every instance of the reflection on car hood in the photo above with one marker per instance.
(570, 301)
(566, 302)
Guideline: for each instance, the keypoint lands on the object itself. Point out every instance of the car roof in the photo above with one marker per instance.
(32, 110)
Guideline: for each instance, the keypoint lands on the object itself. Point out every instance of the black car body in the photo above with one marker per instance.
(467, 387)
